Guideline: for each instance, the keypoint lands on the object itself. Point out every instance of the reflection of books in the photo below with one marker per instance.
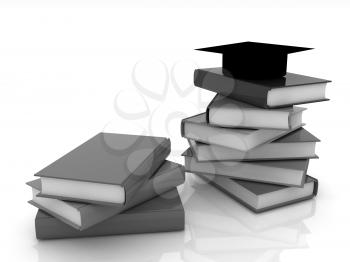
(280, 217)
(270, 255)
(207, 240)
(201, 213)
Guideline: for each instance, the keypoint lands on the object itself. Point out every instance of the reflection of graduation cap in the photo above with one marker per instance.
(253, 60)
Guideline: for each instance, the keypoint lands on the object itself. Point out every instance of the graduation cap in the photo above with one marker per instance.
(252, 60)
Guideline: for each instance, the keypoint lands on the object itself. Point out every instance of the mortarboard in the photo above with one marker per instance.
(252, 60)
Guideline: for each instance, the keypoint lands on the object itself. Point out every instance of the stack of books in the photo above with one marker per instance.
(112, 184)
(250, 142)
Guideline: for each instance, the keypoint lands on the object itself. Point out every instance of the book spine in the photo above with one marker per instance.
(235, 88)
(207, 111)
(146, 170)
(151, 222)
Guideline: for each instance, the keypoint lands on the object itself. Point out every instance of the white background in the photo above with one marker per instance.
(66, 74)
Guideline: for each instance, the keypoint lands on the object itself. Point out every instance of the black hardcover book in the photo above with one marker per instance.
(162, 214)
(107, 169)
(290, 89)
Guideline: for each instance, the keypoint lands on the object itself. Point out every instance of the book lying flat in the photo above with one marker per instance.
(298, 144)
(164, 213)
(260, 197)
(281, 217)
(84, 215)
(197, 128)
(291, 89)
(226, 112)
(280, 172)
(107, 169)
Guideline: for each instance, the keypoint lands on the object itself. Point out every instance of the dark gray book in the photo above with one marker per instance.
(107, 169)
(84, 215)
(298, 144)
(164, 213)
(260, 197)
(226, 112)
(197, 128)
(280, 172)
(291, 89)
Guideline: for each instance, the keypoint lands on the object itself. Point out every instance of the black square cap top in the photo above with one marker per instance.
(252, 60)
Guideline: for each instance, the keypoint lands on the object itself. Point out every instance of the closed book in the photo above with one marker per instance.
(280, 172)
(164, 213)
(286, 216)
(197, 128)
(107, 169)
(298, 144)
(260, 197)
(291, 89)
(226, 112)
(84, 215)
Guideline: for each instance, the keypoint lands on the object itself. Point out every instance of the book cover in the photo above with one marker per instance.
(227, 112)
(280, 172)
(167, 177)
(197, 128)
(298, 144)
(261, 197)
(257, 92)
(164, 213)
(107, 169)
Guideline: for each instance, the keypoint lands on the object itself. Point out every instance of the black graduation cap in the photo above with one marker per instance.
(252, 60)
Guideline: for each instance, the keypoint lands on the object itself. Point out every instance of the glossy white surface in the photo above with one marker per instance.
(68, 71)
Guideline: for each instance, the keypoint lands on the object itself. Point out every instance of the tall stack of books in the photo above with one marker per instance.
(250, 142)
(112, 184)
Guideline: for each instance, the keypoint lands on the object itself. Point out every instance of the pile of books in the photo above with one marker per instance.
(112, 184)
(250, 142)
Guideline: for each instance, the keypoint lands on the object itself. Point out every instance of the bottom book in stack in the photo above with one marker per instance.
(156, 207)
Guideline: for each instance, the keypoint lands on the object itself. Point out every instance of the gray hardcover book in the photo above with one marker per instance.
(260, 197)
(84, 215)
(280, 172)
(161, 214)
(291, 89)
(107, 169)
(226, 112)
(298, 144)
(197, 128)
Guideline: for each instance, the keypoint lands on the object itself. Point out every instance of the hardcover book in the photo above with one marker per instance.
(260, 197)
(280, 172)
(107, 169)
(298, 144)
(84, 215)
(226, 112)
(164, 213)
(197, 128)
(290, 89)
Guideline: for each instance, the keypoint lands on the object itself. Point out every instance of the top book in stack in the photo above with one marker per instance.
(256, 73)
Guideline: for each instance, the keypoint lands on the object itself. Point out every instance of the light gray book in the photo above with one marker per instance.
(298, 144)
(260, 197)
(280, 172)
(226, 112)
(84, 215)
(164, 213)
(107, 169)
(197, 128)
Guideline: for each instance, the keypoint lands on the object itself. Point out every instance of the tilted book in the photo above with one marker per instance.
(260, 197)
(84, 215)
(164, 213)
(298, 144)
(280, 172)
(107, 169)
(197, 128)
(291, 89)
(226, 112)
